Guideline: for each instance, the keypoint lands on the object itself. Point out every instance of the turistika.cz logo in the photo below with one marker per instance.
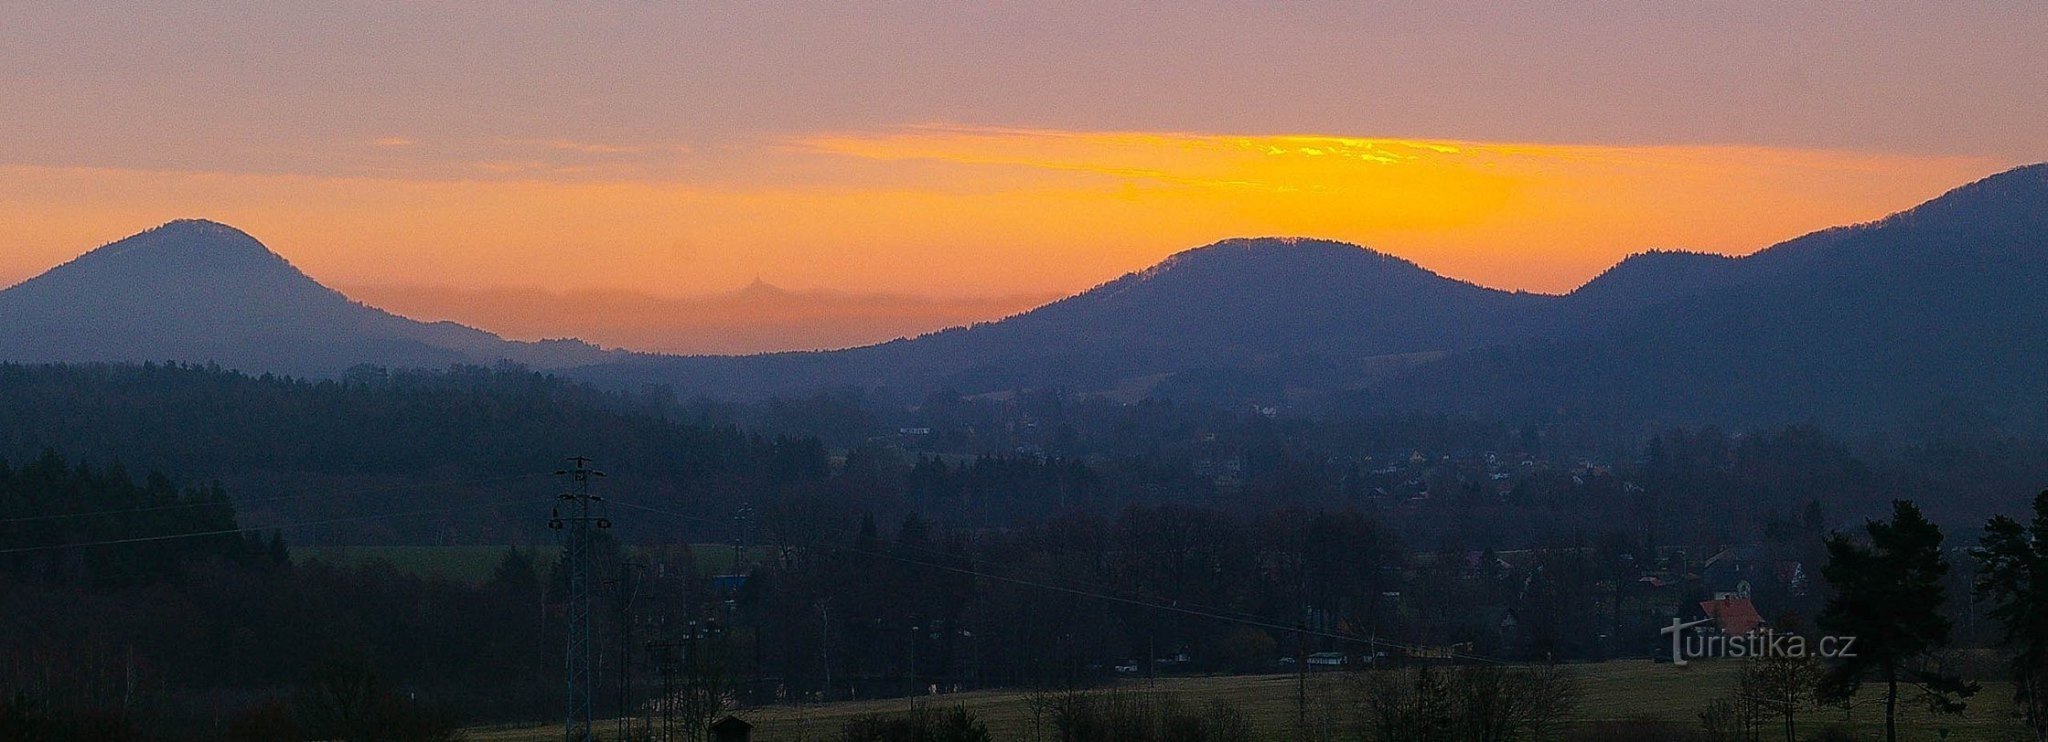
(1687, 646)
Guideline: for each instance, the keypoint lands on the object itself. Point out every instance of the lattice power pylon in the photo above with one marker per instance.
(584, 512)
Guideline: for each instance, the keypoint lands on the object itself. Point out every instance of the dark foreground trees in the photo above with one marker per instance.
(1888, 596)
(1480, 703)
(2013, 574)
(194, 630)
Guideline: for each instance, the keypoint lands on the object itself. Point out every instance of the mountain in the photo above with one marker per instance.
(1645, 280)
(1287, 311)
(1938, 307)
(1942, 306)
(200, 291)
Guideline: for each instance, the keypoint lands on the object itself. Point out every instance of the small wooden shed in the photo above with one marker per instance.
(731, 729)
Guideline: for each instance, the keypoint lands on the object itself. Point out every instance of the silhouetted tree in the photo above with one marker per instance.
(2013, 573)
(1888, 595)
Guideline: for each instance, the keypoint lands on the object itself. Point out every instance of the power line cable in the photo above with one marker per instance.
(254, 529)
(726, 524)
(280, 498)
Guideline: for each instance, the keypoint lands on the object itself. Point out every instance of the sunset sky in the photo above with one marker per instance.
(984, 152)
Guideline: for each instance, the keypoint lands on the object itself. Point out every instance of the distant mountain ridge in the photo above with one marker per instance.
(1942, 304)
(1946, 301)
(200, 291)
(1315, 307)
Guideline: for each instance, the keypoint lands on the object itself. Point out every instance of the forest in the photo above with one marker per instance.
(850, 546)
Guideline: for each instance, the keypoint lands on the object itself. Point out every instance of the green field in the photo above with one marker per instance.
(1613, 693)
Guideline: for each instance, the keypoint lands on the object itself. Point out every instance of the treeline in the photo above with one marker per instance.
(219, 635)
(213, 632)
(1083, 598)
(298, 450)
(1066, 452)
(1064, 602)
(200, 421)
(48, 503)
(138, 610)
(293, 451)
(373, 441)
(1172, 589)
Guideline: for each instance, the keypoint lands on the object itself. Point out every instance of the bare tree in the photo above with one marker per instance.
(1481, 703)
(1780, 685)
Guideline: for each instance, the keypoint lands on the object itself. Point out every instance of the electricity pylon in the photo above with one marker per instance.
(575, 527)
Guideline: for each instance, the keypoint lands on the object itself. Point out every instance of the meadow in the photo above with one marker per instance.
(1621, 700)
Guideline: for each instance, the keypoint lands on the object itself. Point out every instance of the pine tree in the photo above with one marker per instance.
(1888, 596)
(2014, 576)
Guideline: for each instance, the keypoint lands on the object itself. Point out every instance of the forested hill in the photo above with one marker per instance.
(1941, 306)
(1855, 327)
(199, 291)
(1290, 311)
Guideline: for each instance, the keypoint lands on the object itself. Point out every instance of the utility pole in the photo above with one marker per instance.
(1151, 662)
(825, 645)
(666, 661)
(1301, 645)
(1301, 678)
(575, 527)
(742, 536)
(628, 590)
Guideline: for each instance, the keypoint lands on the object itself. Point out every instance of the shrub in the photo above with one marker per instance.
(918, 725)
(1120, 716)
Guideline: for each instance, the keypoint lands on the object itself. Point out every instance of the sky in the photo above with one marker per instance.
(981, 156)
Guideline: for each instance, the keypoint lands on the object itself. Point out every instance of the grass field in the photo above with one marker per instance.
(1613, 693)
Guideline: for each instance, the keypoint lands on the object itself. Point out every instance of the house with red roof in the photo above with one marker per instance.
(1733, 616)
